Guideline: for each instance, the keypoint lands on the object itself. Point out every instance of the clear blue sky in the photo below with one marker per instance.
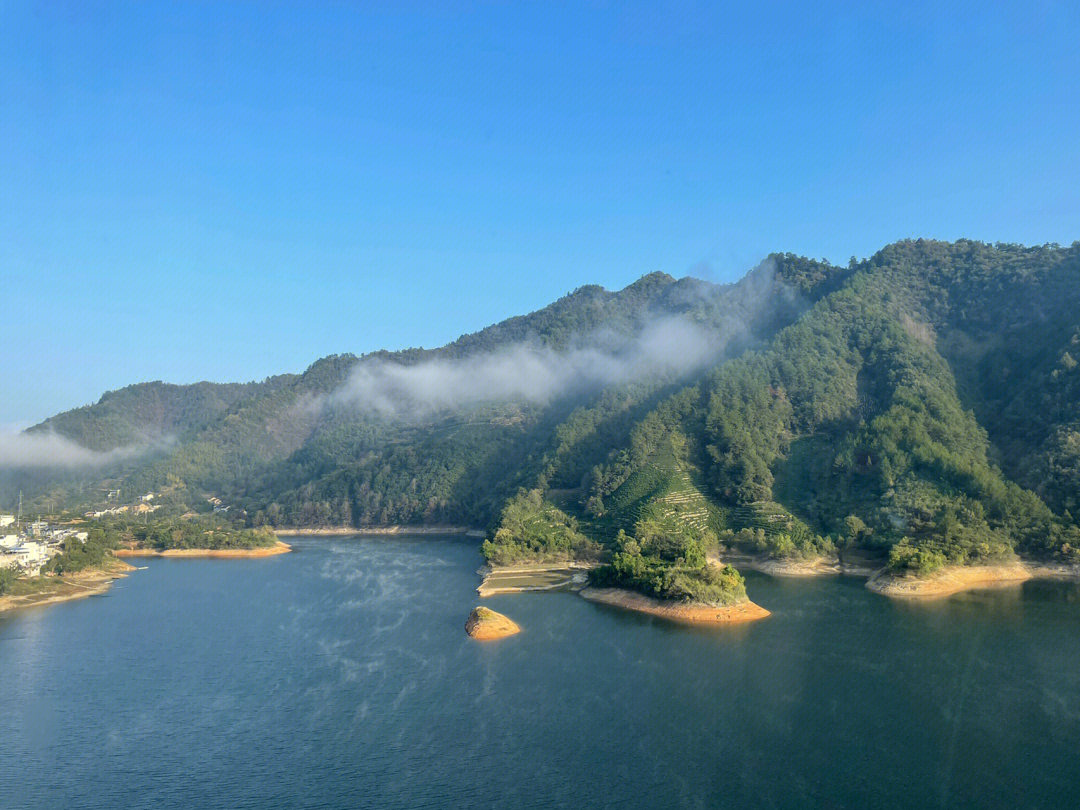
(203, 191)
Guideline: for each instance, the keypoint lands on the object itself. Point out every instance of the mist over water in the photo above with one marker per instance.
(340, 676)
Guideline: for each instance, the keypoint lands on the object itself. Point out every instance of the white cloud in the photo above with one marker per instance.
(534, 373)
(525, 372)
(53, 450)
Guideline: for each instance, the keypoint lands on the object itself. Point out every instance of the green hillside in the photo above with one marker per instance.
(923, 403)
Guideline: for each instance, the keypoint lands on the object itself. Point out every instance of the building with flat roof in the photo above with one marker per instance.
(28, 557)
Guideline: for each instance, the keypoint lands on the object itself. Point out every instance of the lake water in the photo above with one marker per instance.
(340, 676)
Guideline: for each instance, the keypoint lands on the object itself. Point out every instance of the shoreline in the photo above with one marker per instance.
(947, 581)
(813, 567)
(79, 585)
(954, 579)
(221, 553)
(484, 624)
(500, 579)
(684, 612)
(345, 531)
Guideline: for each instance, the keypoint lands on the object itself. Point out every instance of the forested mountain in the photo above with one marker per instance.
(924, 403)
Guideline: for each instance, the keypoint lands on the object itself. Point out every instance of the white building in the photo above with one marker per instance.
(29, 557)
(6, 520)
(9, 541)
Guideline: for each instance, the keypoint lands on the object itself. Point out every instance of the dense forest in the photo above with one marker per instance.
(922, 405)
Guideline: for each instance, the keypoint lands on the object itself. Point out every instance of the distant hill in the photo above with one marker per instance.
(924, 403)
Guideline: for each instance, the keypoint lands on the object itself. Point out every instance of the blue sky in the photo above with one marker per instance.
(203, 191)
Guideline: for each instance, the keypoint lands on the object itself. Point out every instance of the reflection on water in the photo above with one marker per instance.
(1047, 591)
(340, 676)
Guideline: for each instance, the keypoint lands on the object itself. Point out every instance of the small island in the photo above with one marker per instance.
(686, 612)
(667, 574)
(484, 624)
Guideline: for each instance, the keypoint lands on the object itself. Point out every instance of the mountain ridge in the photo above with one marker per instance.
(920, 402)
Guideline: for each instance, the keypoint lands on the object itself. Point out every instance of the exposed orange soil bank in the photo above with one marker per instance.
(689, 613)
(484, 624)
(949, 580)
(266, 551)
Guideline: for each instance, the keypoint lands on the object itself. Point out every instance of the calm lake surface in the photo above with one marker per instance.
(340, 676)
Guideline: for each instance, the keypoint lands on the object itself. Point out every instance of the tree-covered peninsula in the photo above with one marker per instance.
(87, 560)
(918, 409)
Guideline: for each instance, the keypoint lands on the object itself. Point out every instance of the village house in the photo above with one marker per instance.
(28, 557)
